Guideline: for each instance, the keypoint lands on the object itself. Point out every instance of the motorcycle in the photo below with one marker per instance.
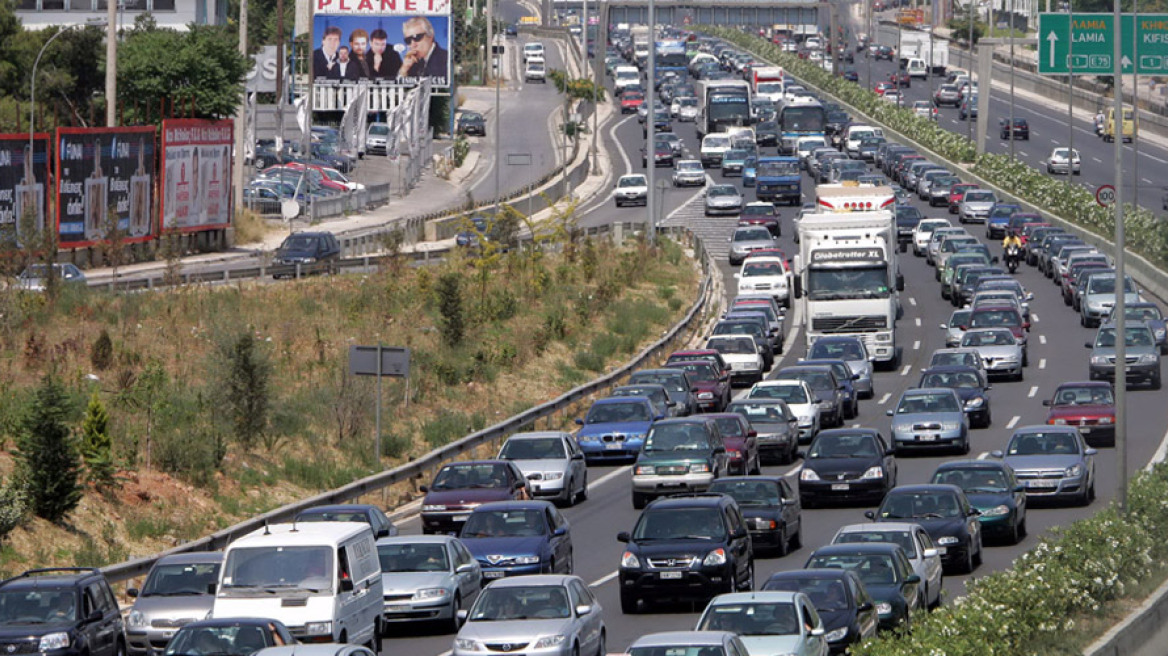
(1013, 254)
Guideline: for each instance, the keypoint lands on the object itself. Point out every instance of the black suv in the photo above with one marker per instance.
(308, 252)
(1021, 129)
(62, 611)
(687, 547)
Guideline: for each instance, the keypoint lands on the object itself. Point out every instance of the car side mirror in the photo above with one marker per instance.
(1019, 488)
(346, 585)
(424, 488)
(739, 534)
(583, 609)
(1086, 344)
(931, 553)
(561, 531)
(888, 412)
(816, 632)
(752, 433)
(719, 449)
(131, 592)
(465, 568)
(579, 421)
(738, 275)
(974, 512)
(912, 578)
(1091, 451)
(519, 485)
(658, 417)
(944, 327)
(623, 536)
(997, 453)
(802, 455)
(864, 606)
(577, 456)
(462, 614)
(1046, 402)
(870, 514)
(212, 588)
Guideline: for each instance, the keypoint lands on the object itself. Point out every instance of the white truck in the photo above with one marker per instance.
(847, 278)
(768, 82)
(641, 35)
(922, 45)
(853, 197)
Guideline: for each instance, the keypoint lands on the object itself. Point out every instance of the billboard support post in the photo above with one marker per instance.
(240, 117)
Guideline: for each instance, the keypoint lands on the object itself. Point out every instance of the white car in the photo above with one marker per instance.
(922, 552)
(765, 274)
(631, 190)
(892, 97)
(1064, 160)
(714, 146)
(800, 399)
(923, 231)
(741, 353)
(804, 146)
(533, 50)
(689, 172)
(924, 109)
(535, 72)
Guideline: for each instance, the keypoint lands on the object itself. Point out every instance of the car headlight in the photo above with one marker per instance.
(996, 511)
(1075, 470)
(644, 470)
(950, 425)
(433, 508)
(699, 468)
(764, 524)
(1107, 420)
(527, 560)
(883, 608)
(136, 620)
(705, 396)
(715, 558)
(1147, 358)
(837, 635)
(429, 593)
(547, 642)
(630, 561)
(874, 472)
(902, 428)
(58, 640)
(808, 475)
(1099, 359)
(553, 476)
(465, 644)
(318, 628)
(825, 405)
(946, 540)
(1059, 422)
(975, 402)
(308, 260)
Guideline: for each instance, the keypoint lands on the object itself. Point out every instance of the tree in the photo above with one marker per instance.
(246, 388)
(47, 463)
(13, 505)
(573, 89)
(97, 446)
(202, 64)
(450, 307)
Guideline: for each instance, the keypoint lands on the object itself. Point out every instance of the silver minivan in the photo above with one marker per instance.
(179, 589)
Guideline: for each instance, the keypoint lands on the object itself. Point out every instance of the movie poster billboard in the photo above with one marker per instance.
(102, 171)
(24, 183)
(382, 42)
(196, 174)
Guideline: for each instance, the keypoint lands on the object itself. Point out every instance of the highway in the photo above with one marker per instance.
(1056, 355)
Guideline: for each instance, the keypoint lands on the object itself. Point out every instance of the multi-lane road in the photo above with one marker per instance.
(1056, 355)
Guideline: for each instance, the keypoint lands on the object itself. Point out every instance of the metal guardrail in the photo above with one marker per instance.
(431, 461)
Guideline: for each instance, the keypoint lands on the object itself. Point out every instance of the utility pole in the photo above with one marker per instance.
(280, 90)
(650, 126)
(111, 64)
(241, 115)
(1120, 280)
(1135, 103)
(496, 68)
(1010, 129)
(969, 99)
(1070, 103)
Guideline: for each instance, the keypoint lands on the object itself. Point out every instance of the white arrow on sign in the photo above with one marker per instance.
(1126, 62)
(1052, 38)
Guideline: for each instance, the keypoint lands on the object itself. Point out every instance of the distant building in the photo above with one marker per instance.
(177, 14)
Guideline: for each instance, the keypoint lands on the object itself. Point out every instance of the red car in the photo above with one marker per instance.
(711, 386)
(741, 443)
(1001, 316)
(881, 87)
(1089, 405)
(631, 102)
(460, 487)
(900, 79)
(699, 355)
(956, 192)
(1027, 228)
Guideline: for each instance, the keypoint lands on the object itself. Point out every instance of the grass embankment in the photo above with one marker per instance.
(490, 336)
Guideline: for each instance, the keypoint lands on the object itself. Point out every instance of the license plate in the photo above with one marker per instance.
(492, 575)
(614, 446)
(1042, 483)
(841, 487)
(461, 518)
(671, 575)
(397, 608)
(927, 438)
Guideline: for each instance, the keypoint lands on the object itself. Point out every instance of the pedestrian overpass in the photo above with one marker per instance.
(759, 13)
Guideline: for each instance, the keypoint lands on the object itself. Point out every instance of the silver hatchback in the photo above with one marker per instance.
(179, 589)
(542, 614)
(723, 199)
(1000, 351)
(929, 417)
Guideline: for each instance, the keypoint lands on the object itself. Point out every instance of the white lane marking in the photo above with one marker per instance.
(610, 475)
(855, 425)
(884, 399)
(1033, 391)
(1042, 363)
(1013, 421)
(1023, 153)
(1042, 339)
(1160, 455)
(620, 146)
(1097, 160)
(912, 301)
(983, 455)
(604, 579)
(1153, 157)
(1034, 318)
(918, 320)
(917, 345)
(907, 368)
(1146, 181)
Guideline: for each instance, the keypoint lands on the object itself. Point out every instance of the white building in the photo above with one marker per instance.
(177, 14)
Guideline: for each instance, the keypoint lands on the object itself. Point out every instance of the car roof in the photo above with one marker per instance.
(971, 463)
(662, 370)
(190, 558)
(609, 400)
(751, 479)
(885, 548)
(1084, 383)
(337, 507)
(774, 596)
(51, 577)
(840, 432)
(531, 435)
(878, 526)
(532, 504)
(950, 368)
(532, 580)
(688, 638)
(929, 487)
(417, 539)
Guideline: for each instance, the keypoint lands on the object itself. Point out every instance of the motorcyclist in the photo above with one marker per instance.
(1011, 239)
(1012, 245)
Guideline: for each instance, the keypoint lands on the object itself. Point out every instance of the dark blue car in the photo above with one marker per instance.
(992, 488)
(971, 386)
(999, 219)
(945, 512)
(615, 428)
(846, 608)
(886, 573)
(511, 538)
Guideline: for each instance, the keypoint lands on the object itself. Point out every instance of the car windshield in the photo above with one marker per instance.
(988, 338)
(688, 102)
(955, 359)
(747, 492)
(792, 394)
(816, 380)
(380, 130)
(973, 479)
(631, 181)
(825, 594)
(535, 602)
(542, 448)
(232, 640)
(689, 166)
(678, 650)
(37, 606)
(1106, 285)
(752, 234)
(180, 580)
(953, 379)
(759, 413)
(980, 197)
(412, 557)
(731, 345)
(677, 437)
(920, 505)
(836, 350)
(873, 569)
(462, 476)
(702, 371)
(1037, 443)
(1136, 336)
(680, 524)
(504, 524)
(722, 191)
(306, 568)
(672, 381)
(299, 243)
(903, 539)
(730, 427)
(607, 413)
(932, 402)
(717, 142)
(735, 154)
(843, 446)
(752, 619)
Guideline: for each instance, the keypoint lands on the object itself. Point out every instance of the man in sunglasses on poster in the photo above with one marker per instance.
(424, 57)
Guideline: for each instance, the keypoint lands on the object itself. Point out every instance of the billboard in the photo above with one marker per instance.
(100, 170)
(196, 174)
(24, 183)
(381, 42)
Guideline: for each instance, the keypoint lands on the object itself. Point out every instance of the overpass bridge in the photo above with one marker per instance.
(761, 13)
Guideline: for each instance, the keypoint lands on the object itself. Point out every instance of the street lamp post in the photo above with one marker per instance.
(1010, 128)
(650, 124)
(32, 83)
(969, 99)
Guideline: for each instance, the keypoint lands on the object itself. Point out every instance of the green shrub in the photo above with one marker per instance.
(588, 361)
(13, 505)
(97, 445)
(450, 425)
(101, 354)
(47, 461)
(450, 308)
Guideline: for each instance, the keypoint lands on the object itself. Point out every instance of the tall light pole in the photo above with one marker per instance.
(1070, 103)
(100, 22)
(1010, 128)
(1120, 278)
(650, 125)
(241, 115)
(969, 112)
(496, 68)
(111, 64)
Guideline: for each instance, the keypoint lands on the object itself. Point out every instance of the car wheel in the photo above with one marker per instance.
(967, 564)
(1155, 382)
(629, 603)
(1022, 528)
(748, 584)
(639, 501)
(784, 545)
(454, 625)
(583, 495)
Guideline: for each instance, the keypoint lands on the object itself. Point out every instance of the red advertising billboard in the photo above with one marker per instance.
(196, 174)
(102, 171)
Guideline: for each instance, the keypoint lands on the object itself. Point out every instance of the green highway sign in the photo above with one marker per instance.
(1083, 44)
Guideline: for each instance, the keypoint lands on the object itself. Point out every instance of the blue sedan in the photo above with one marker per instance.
(511, 538)
(615, 428)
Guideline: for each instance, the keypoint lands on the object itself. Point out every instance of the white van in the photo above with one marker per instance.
(533, 49)
(917, 67)
(321, 579)
(857, 133)
(625, 76)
